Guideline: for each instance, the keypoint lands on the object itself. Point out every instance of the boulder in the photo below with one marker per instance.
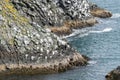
(114, 74)
(99, 12)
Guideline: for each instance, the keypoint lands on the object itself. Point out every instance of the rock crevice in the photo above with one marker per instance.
(53, 12)
(27, 46)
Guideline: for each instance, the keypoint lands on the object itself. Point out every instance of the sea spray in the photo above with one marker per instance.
(102, 31)
(116, 15)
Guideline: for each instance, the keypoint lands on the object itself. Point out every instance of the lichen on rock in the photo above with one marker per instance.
(27, 44)
(27, 47)
(53, 12)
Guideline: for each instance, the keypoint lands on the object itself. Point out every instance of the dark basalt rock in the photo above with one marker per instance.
(53, 12)
(62, 15)
(57, 66)
(29, 48)
(114, 74)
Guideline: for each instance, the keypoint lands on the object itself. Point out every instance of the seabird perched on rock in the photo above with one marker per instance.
(32, 57)
(26, 55)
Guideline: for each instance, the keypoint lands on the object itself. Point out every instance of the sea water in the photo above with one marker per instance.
(101, 43)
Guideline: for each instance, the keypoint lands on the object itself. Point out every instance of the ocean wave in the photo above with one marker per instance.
(78, 33)
(82, 33)
(76, 37)
(92, 62)
(104, 30)
(116, 15)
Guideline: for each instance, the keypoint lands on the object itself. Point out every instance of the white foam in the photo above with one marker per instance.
(107, 29)
(83, 35)
(79, 32)
(76, 32)
(116, 15)
(104, 30)
(84, 32)
(92, 62)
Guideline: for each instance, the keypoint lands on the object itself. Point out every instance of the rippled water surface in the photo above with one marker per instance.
(101, 43)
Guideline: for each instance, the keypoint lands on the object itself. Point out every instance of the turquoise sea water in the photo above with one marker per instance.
(101, 43)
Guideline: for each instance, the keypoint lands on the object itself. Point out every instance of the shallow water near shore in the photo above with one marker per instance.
(101, 43)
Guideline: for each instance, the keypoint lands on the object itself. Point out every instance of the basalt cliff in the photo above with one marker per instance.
(61, 16)
(27, 44)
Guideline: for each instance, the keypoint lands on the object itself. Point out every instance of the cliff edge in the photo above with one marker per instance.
(27, 44)
(28, 48)
(61, 16)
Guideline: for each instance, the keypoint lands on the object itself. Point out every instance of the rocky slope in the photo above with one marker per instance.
(27, 47)
(53, 12)
(61, 15)
(27, 44)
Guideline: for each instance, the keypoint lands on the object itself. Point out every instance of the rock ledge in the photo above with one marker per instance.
(54, 66)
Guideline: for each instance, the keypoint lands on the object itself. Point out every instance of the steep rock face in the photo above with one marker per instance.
(53, 12)
(26, 46)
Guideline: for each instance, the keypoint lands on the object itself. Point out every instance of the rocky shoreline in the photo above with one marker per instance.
(101, 13)
(96, 11)
(54, 66)
(68, 26)
(28, 47)
(63, 15)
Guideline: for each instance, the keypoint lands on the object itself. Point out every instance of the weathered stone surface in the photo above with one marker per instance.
(114, 74)
(56, 13)
(54, 66)
(67, 28)
(25, 45)
(53, 12)
(99, 12)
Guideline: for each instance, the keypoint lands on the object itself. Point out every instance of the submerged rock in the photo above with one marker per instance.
(28, 48)
(114, 74)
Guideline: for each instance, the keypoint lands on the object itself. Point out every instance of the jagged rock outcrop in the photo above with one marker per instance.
(96, 11)
(30, 48)
(62, 15)
(53, 12)
(114, 74)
